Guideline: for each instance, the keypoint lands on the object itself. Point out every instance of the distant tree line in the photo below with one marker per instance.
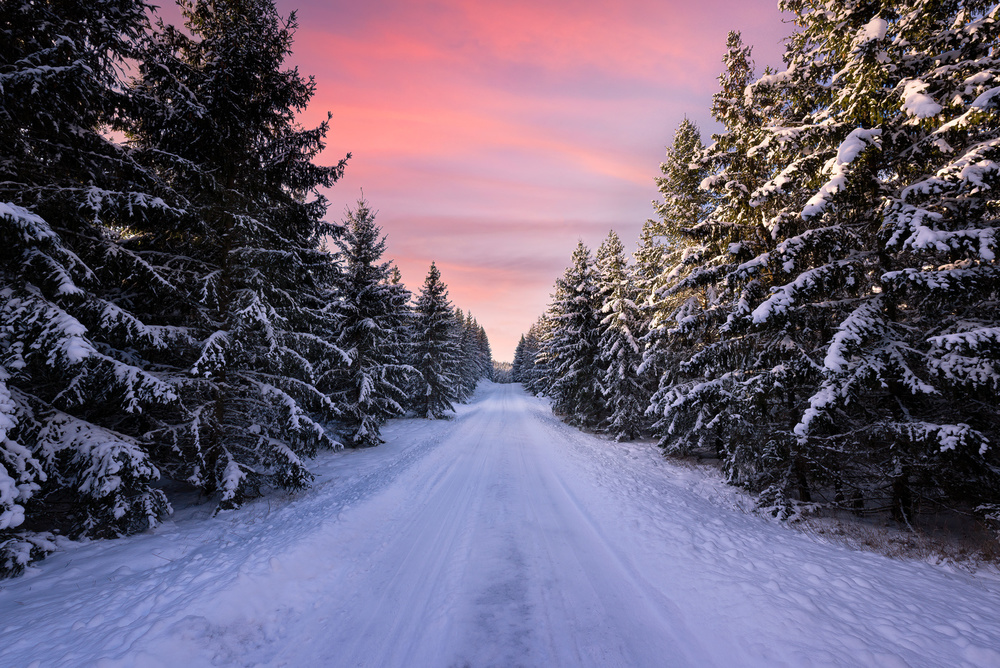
(503, 372)
(172, 302)
(817, 301)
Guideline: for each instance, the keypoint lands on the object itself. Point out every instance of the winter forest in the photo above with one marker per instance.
(762, 434)
(816, 302)
(173, 306)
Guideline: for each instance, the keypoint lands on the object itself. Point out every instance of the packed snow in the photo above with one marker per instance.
(873, 30)
(499, 538)
(857, 141)
(918, 103)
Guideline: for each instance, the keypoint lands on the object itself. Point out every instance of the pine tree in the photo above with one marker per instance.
(75, 386)
(526, 368)
(256, 320)
(571, 350)
(669, 250)
(436, 349)
(475, 360)
(403, 329)
(533, 374)
(624, 393)
(371, 387)
(651, 263)
(478, 354)
(897, 246)
(468, 362)
(517, 366)
(853, 358)
(685, 202)
(484, 352)
(696, 405)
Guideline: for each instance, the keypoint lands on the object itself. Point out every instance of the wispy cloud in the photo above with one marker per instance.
(492, 135)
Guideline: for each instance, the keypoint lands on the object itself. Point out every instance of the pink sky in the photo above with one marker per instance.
(491, 136)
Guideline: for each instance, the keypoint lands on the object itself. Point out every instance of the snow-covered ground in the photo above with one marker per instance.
(502, 538)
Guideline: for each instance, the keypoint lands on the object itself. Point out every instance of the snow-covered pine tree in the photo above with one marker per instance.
(436, 349)
(621, 331)
(468, 360)
(75, 385)
(406, 308)
(401, 300)
(571, 349)
(669, 250)
(891, 173)
(484, 352)
(218, 122)
(371, 388)
(520, 352)
(533, 374)
(480, 352)
(698, 404)
(857, 363)
(685, 202)
(650, 262)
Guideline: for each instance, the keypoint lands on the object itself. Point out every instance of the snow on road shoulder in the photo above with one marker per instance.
(164, 598)
(790, 598)
(502, 537)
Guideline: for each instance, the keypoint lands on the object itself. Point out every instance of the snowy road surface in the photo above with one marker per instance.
(502, 538)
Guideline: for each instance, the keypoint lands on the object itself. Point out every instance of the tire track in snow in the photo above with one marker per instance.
(502, 538)
(118, 600)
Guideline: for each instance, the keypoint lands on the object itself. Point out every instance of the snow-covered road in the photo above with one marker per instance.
(502, 538)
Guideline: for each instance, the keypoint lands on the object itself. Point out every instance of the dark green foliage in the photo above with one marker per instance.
(625, 394)
(527, 368)
(254, 322)
(476, 358)
(853, 294)
(436, 350)
(75, 383)
(821, 286)
(167, 303)
(372, 314)
(670, 249)
(571, 348)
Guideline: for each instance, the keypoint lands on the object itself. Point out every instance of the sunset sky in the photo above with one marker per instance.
(491, 136)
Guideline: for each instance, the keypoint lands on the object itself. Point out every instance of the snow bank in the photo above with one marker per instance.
(502, 537)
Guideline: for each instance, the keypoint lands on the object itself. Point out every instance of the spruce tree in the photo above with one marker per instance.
(75, 382)
(483, 352)
(370, 388)
(477, 356)
(698, 405)
(403, 329)
(852, 358)
(571, 349)
(669, 251)
(256, 320)
(468, 361)
(624, 393)
(651, 263)
(518, 364)
(527, 366)
(897, 244)
(436, 349)
(685, 203)
(533, 373)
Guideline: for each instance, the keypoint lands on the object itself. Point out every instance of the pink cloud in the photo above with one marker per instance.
(492, 135)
